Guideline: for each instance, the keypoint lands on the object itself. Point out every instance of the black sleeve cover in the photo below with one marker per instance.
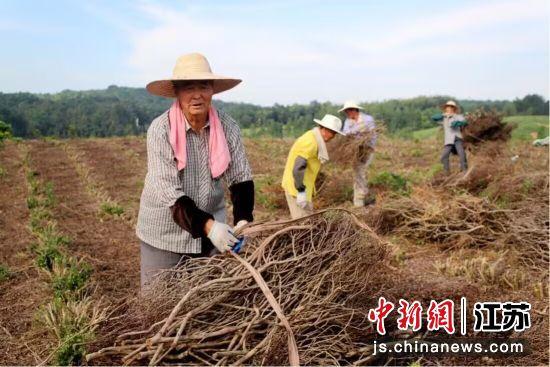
(242, 197)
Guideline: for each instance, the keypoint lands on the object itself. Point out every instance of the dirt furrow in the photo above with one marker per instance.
(116, 167)
(108, 244)
(26, 288)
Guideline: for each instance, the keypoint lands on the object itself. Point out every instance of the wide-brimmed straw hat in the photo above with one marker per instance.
(191, 67)
(350, 104)
(452, 104)
(331, 122)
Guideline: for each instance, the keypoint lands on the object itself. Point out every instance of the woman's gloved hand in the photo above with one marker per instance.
(437, 117)
(458, 124)
(221, 235)
(301, 199)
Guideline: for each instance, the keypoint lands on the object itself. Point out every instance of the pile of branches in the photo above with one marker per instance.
(442, 217)
(219, 310)
(463, 220)
(486, 126)
(354, 147)
(509, 180)
(482, 170)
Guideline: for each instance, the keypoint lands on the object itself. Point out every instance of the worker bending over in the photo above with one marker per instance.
(304, 162)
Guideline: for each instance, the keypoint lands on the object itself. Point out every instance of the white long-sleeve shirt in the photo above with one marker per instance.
(364, 123)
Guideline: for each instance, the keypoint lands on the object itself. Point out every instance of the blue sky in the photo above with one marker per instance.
(285, 51)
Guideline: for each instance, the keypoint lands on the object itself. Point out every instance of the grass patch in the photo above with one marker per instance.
(50, 237)
(39, 219)
(392, 181)
(70, 278)
(49, 197)
(47, 256)
(111, 209)
(425, 133)
(32, 202)
(529, 127)
(5, 273)
(527, 185)
(73, 324)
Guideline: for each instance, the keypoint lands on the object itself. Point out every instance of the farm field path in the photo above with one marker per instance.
(26, 289)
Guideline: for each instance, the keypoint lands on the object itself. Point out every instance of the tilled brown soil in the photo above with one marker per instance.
(21, 340)
(116, 166)
(109, 245)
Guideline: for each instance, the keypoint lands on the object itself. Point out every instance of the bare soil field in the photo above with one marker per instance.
(483, 235)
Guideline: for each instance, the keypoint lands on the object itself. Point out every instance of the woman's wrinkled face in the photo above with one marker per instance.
(195, 97)
(352, 113)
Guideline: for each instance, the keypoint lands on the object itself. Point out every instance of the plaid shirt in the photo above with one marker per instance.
(164, 184)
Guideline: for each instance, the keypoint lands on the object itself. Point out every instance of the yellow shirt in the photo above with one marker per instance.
(306, 147)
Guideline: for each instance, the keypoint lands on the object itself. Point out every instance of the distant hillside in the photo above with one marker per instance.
(118, 111)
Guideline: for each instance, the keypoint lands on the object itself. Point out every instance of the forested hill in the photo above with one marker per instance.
(126, 111)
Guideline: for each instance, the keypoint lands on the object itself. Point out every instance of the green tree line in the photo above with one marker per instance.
(118, 111)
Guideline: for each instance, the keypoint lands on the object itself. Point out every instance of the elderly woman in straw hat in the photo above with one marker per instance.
(357, 122)
(304, 161)
(452, 122)
(191, 150)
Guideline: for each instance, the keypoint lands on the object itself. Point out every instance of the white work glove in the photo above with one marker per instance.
(221, 236)
(240, 224)
(301, 199)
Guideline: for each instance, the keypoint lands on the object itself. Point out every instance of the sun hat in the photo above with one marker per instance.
(452, 104)
(350, 104)
(192, 66)
(331, 122)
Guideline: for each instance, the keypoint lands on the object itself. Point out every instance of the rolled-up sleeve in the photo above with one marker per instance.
(162, 168)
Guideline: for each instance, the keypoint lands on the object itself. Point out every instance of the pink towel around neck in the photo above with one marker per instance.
(218, 151)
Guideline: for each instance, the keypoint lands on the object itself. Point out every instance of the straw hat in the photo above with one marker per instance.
(191, 67)
(452, 104)
(332, 123)
(350, 104)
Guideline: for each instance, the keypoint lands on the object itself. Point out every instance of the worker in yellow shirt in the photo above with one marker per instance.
(303, 163)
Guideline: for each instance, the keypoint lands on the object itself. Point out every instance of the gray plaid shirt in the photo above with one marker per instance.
(164, 184)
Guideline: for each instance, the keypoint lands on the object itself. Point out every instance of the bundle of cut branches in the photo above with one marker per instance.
(442, 217)
(486, 126)
(463, 220)
(215, 311)
(354, 147)
(482, 169)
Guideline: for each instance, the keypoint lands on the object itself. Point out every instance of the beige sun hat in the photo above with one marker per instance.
(331, 122)
(192, 66)
(350, 104)
(452, 104)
